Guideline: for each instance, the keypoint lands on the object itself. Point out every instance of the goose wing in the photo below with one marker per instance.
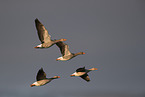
(44, 37)
(85, 77)
(81, 69)
(64, 48)
(40, 75)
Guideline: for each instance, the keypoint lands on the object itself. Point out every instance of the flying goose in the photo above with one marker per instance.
(41, 78)
(44, 37)
(82, 72)
(66, 54)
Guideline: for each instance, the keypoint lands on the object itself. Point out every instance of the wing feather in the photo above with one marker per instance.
(81, 69)
(85, 77)
(64, 48)
(43, 35)
(40, 75)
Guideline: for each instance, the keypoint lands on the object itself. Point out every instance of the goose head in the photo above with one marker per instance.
(55, 77)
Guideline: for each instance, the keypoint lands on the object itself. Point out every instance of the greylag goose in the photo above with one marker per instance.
(44, 37)
(66, 54)
(82, 72)
(41, 78)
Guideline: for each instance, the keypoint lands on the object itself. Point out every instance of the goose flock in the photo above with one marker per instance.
(47, 42)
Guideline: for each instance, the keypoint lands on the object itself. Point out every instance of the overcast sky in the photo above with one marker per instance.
(110, 32)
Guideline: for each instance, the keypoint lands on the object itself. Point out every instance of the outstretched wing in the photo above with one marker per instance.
(40, 75)
(64, 48)
(43, 35)
(85, 77)
(81, 69)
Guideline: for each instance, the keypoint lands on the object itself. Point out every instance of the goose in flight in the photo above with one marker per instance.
(44, 37)
(41, 78)
(82, 72)
(66, 54)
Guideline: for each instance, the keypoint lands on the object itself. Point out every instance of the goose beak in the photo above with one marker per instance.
(64, 39)
(55, 77)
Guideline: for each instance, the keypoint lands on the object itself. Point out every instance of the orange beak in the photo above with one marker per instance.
(64, 39)
(83, 53)
(56, 77)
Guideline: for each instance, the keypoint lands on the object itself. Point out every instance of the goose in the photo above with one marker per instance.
(44, 36)
(82, 72)
(66, 54)
(41, 78)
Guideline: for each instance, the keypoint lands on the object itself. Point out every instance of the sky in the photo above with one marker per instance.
(110, 32)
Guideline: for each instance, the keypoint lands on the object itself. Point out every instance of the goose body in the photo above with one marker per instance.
(44, 36)
(41, 78)
(82, 72)
(66, 54)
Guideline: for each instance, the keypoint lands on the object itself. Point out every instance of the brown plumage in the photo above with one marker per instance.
(41, 78)
(44, 36)
(82, 72)
(66, 54)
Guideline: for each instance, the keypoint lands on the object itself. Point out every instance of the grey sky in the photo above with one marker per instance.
(110, 32)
